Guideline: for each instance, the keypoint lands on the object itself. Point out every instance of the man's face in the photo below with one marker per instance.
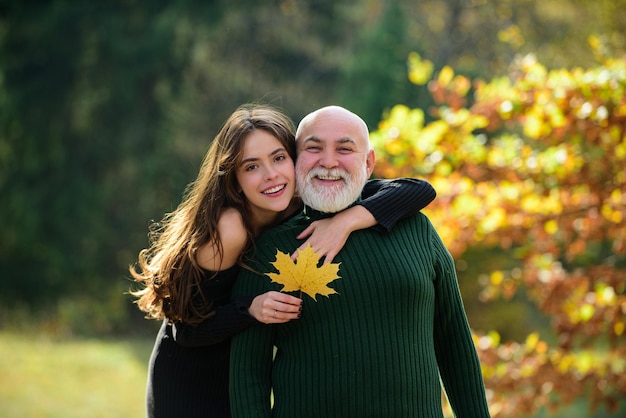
(334, 161)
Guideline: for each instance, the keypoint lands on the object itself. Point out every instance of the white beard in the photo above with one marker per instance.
(330, 199)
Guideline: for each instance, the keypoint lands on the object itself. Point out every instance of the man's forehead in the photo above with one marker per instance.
(329, 129)
(333, 125)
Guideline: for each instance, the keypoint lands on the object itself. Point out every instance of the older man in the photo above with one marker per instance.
(396, 328)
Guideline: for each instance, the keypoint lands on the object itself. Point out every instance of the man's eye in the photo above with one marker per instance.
(345, 150)
(313, 148)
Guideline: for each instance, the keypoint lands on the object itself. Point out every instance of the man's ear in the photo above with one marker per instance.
(370, 161)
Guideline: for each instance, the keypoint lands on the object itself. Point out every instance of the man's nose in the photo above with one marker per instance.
(328, 159)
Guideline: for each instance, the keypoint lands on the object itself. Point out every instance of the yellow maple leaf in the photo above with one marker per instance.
(304, 274)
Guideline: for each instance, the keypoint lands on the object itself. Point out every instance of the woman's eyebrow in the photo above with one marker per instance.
(250, 159)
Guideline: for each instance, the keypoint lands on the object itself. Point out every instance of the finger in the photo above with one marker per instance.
(307, 232)
(284, 298)
(281, 317)
(328, 258)
(288, 308)
(300, 248)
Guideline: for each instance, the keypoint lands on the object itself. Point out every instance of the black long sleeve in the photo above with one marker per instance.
(229, 319)
(392, 200)
(231, 316)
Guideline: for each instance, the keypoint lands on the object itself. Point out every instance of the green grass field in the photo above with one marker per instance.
(45, 378)
(42, 378)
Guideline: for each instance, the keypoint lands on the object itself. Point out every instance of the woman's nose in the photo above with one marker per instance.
(270, 173)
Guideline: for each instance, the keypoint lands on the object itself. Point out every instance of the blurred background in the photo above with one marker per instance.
(514, 110)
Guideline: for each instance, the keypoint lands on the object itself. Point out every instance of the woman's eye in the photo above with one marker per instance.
(280, 157)
(250, 167)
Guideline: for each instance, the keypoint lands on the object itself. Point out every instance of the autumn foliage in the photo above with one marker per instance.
(534, 163)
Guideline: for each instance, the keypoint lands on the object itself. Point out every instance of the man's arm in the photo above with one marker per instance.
(457, 359)
(251, 357)
(392, 200)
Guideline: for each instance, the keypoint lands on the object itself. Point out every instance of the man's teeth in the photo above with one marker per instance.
(328, 177)
(274, 189)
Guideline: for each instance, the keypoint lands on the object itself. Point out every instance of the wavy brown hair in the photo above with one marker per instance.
(168, 270)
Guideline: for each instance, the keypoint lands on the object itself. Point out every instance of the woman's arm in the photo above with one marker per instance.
(228, 320)
(392, 200)
(233, 317)
(230, 317)
(384, 202)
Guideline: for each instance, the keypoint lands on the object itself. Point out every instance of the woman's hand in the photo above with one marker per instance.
(328, 236)
(275, 308)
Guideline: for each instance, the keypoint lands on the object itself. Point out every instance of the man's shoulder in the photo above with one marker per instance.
(285, 229)
(280, 237)
(417, 218)
(418, 222)
(259, 258)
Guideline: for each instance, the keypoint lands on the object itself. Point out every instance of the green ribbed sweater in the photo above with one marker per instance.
(377, 349)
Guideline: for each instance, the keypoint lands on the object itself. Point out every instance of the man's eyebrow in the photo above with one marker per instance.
(311, 138)
(345, 139)
(341, 140)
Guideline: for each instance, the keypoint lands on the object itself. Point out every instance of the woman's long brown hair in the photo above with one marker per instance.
(168, 269)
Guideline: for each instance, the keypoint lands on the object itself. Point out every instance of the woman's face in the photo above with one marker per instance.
(266, 176)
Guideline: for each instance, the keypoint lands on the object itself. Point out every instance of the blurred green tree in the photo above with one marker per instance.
(81, 91)
(106, 108)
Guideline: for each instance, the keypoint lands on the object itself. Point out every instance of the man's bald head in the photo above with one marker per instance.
(334, 113)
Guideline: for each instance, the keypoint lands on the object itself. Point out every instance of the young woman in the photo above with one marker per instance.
(246, 184)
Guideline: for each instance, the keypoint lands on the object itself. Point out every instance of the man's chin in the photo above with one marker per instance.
(328, 202)
(329, 208)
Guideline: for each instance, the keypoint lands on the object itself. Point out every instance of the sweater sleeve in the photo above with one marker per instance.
(251, 358)
(392, 200)
(457, 359)
(229, 319)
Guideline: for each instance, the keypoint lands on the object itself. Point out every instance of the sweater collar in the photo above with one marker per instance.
(315, 214)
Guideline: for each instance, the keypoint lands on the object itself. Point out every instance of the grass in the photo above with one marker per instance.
(41, 377)
(44, 377)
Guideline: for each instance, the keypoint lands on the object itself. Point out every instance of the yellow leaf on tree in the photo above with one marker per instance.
(531, 341)
(304, 274)
(420, 71)
(446, 75)
(551, 227)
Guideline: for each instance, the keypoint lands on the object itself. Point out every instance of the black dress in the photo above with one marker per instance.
(188, 370)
